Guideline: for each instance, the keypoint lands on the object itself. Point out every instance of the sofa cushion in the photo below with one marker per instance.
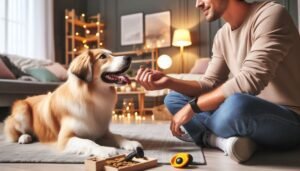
(42, 74)
(200, 66)
(58, 70)
(12, 67)
(5, 72)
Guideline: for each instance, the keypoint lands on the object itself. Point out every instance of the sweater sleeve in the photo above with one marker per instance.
(271, 43)
(217, 71)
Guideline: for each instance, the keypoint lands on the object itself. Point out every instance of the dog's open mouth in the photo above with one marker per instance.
(116, 77)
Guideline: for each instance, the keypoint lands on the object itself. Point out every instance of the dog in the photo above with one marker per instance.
(76, 116)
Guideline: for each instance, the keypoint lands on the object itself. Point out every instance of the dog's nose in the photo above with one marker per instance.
(127, 58)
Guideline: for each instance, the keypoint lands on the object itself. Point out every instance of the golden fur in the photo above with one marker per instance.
(77, 112)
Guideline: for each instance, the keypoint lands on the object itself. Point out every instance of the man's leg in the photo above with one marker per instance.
(195, 128)
(266, 123)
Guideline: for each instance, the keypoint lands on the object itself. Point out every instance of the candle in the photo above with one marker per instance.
(127, 88)
(133, 85)
(122, 88)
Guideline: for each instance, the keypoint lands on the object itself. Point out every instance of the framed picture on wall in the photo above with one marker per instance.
(132, 30)
(158, 30)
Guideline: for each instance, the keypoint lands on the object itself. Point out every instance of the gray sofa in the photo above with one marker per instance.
(11, 90)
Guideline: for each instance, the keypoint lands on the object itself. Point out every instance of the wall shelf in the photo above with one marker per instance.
(81, 33)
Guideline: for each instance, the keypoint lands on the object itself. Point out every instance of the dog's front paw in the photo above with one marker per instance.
(104, 152)
(25, 139)
(130, 145)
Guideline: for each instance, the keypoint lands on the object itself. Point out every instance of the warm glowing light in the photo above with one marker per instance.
(100, 43)
(84, 41)
(181, 38)
(74, 49)
(97, 23)
(86, 46)
(164, 61)
(101, 31)
(87, 31)
(82, 15)
(76, 33)
(97, 34)
(66, 17)
(84, 26)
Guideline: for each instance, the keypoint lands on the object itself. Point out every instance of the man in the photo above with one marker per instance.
(260, 103)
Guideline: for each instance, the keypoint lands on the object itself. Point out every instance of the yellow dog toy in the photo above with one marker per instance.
(181, 160)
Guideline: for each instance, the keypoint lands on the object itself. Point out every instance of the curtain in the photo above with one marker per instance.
(26, 28)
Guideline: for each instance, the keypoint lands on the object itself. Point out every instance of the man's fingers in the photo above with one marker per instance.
(145, 80)
(139, 73)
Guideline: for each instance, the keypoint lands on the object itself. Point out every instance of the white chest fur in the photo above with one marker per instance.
(90, 119)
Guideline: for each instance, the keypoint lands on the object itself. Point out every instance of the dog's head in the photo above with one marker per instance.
(100, 65)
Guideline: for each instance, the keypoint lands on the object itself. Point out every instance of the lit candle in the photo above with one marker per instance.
(133, 85)
(127, 88)
(122, 88)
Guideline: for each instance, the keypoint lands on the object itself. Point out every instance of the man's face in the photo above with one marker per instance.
(212, 9)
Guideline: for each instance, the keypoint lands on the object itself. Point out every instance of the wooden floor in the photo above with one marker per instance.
(263, 161)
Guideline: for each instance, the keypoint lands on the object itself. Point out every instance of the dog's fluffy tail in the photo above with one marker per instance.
(19, 122)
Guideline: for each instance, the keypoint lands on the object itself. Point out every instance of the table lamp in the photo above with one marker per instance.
(181, 38)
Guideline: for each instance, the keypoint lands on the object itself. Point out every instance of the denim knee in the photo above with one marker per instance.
(238, 106)
(234, 112)
(175, 101)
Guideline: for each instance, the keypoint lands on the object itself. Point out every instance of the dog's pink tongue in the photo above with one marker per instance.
(124, 79)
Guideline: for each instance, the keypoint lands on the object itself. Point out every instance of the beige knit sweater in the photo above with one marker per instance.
(262, 56)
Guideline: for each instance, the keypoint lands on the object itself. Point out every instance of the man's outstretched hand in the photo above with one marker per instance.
(151, 79)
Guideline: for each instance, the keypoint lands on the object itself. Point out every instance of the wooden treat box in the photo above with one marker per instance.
(100, 164)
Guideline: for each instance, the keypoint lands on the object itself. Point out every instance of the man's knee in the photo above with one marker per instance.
(237, 107)
(175, 101)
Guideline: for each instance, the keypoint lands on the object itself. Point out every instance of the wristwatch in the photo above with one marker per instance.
(194, 105)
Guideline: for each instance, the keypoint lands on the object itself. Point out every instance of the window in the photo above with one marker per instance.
(26, 28)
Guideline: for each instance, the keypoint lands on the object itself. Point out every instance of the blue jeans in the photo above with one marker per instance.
(267, 124)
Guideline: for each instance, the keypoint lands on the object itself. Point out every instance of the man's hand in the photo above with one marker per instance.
(180, 118)
(151, 79)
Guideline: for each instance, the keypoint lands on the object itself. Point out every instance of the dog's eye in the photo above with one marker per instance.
(103, 56)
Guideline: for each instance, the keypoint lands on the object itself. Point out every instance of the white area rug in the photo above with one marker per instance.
(156, 139)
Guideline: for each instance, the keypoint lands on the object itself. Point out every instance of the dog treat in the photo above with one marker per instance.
(120, 162)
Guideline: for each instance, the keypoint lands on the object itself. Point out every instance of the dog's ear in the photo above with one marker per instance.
(81, 66)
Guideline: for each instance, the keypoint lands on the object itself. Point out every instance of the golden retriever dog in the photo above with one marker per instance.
(76, 116)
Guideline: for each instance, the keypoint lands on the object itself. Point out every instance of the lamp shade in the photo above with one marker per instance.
(164, 61)
(181, 38)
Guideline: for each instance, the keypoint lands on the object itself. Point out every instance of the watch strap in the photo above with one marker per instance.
(194, 105)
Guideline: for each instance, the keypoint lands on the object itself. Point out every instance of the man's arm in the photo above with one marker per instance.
(206, 102)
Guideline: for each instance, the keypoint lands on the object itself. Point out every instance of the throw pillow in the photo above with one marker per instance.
(200, 66)
(42, 74)
(5, 72)
(58, 70)
(12, 67)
